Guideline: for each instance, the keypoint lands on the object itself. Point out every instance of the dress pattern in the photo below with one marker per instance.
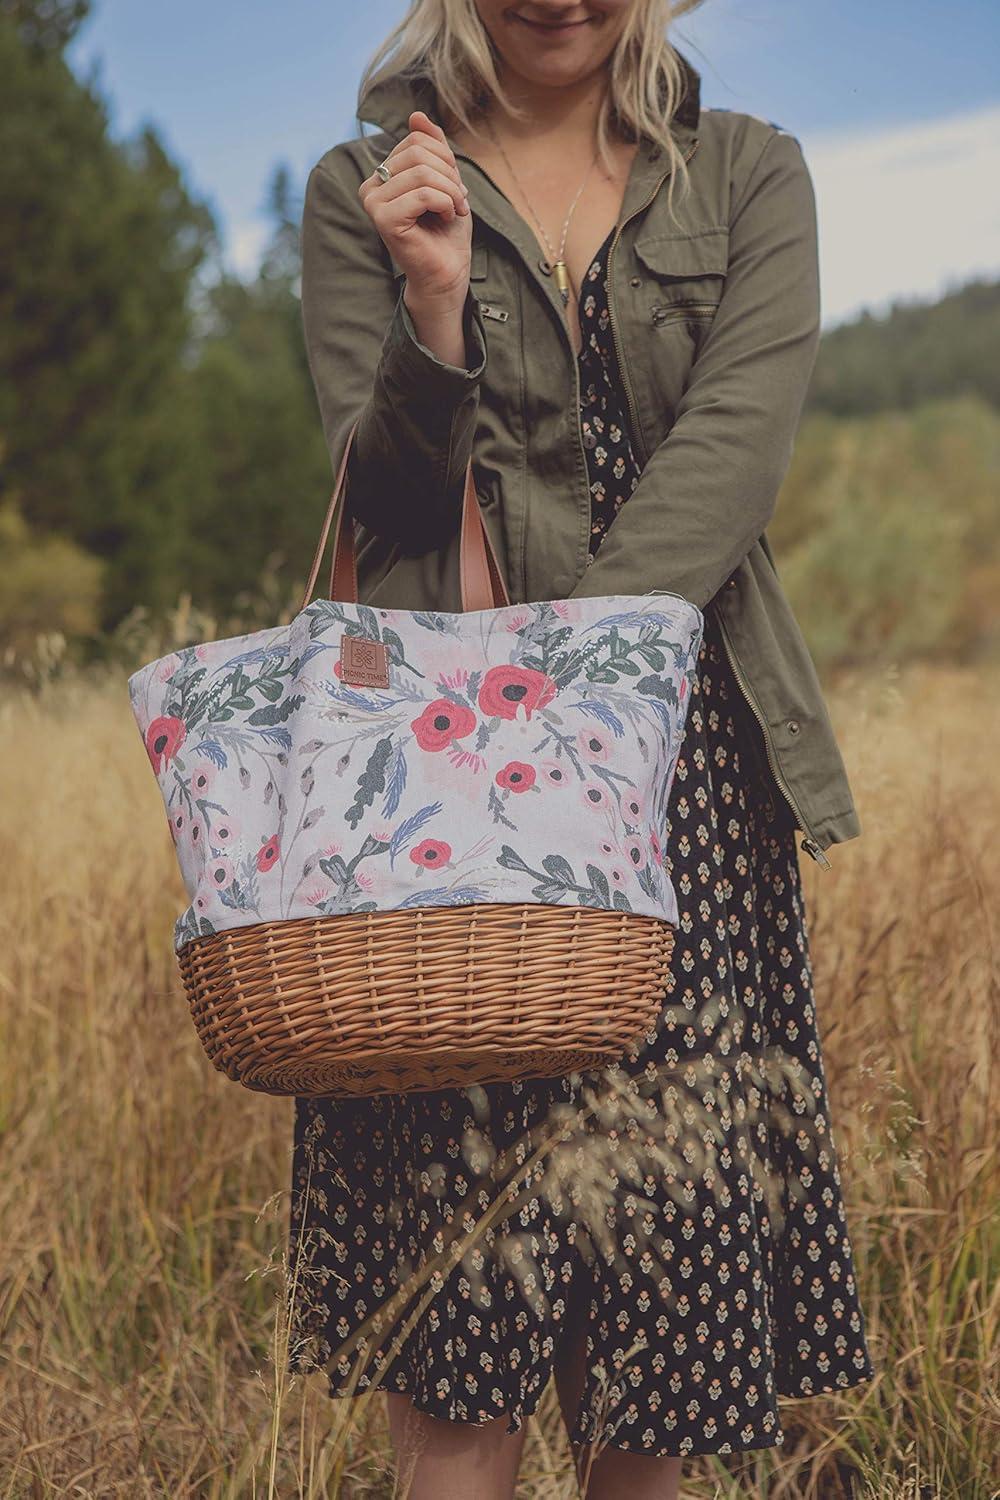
(690, 1220)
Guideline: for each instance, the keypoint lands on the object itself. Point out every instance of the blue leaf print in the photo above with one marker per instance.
(276, 736)
(260, 653)
(397, 783)
(404, 833)
(355, 700)
(600, 711)
(215, 753)
(459, 895)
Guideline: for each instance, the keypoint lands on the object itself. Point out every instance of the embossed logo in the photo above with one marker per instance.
(363, 662)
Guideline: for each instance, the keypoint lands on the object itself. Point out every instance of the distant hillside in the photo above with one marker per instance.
(917, 352)
(887, 534)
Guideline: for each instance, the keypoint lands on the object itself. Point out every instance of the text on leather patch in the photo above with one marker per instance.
(364, 662)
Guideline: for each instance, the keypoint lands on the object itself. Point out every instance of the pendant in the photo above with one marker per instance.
(562, 281)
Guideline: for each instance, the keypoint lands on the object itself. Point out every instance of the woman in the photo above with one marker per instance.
(630, 412)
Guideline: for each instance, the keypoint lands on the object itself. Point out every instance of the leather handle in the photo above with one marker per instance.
(481, 579)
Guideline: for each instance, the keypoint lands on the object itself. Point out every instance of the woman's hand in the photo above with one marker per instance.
(424, 220)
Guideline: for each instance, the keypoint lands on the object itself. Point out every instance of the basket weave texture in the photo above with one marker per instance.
(426, 998)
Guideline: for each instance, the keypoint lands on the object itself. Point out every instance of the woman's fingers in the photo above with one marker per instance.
(408, 205)
(426, 143)
(406, 180)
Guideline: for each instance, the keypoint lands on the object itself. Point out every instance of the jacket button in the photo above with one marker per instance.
(793, 726)
(545, 268)
(635, 281)
(730, 583)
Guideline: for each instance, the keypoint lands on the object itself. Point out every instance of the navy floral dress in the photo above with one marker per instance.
(693, 1226)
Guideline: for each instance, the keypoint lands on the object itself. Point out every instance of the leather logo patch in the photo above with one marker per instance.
(364, 662)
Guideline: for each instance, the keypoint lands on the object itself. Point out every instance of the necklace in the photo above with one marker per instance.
(558, 264)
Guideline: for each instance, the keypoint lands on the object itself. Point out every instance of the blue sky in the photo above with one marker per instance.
(897, 107)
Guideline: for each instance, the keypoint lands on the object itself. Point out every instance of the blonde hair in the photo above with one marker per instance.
(445, 41)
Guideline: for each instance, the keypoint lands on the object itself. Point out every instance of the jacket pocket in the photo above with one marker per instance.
(688, 273)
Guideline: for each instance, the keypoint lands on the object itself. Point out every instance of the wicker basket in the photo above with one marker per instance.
(426, 998)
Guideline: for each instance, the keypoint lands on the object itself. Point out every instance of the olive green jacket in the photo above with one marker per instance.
(716, 322)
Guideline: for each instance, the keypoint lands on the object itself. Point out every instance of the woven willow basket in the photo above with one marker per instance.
(405, 1001)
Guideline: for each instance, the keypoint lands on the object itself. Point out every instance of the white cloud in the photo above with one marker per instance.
(906, 211)
(245, 245)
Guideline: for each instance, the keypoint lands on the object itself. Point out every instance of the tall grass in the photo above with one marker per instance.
(144, 1198)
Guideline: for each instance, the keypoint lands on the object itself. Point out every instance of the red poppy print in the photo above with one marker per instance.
(269, 854)
(505, 689)
(431, 853)
(164, 738)
(441, 722)
(515, 776)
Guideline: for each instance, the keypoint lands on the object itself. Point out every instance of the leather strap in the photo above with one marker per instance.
(481, 579)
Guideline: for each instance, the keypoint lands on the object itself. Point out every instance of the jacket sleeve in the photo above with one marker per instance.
(710, 488)
(416, 414)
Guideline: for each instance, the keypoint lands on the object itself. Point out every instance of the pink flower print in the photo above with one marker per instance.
(366, 880)
(632, 808)
(505, 689)
(683, 689)
(316, 895)
(616, 875)
(336, 669)
(594, 794)
(517, 622)
(384, 836)
(167, 668)
(456, 680)
(164, 737)
(553, 773)
(635, 853)
(594, 743)
(335, 848)
(268, 854)
(201, 902)
(563, 608)
(219, 874)
(202, 651)
(515, 776)
(441, 722)
(655, 846)
(430, 853)
(223, 832)
(178, 822)
(202, 778)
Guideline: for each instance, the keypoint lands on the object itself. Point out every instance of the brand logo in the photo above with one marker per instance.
(363, 662)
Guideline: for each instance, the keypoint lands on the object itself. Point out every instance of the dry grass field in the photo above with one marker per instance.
(144, 1198)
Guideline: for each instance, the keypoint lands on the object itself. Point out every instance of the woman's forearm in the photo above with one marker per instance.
(439, 329)
(409, 376)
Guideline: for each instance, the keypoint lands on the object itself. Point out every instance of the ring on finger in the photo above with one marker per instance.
(383, 171)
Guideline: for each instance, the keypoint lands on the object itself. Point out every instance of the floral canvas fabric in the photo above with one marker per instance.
(517, 754)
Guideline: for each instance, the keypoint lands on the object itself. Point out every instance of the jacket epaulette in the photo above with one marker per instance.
(723, 109)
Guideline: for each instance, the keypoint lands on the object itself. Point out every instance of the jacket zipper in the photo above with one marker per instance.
(682, 311)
